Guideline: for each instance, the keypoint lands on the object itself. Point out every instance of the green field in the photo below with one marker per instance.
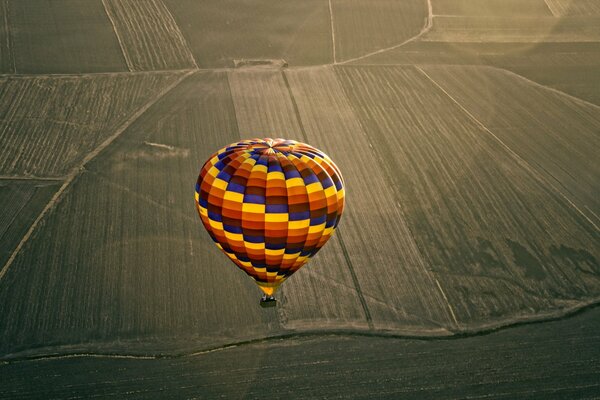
(467, 133)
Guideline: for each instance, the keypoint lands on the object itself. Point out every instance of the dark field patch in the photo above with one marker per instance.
(63, 37)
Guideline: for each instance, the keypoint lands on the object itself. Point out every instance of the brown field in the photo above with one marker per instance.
(498, 8)
(364, 27)
(514, 29)
(391, 276)
(472, 198)
(62, 37)
(554, 134)
(491, 230)
(48, 124)
(219, 32)
(574, 7)
(139, 271)
(148, 35)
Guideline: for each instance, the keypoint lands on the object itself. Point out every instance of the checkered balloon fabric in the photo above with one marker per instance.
(270, 205)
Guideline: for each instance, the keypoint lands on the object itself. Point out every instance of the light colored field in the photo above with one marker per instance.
(133, 269)
(393, 277)
(148, 35)
(21, 201)
(7, 60)
(322, 294)
(47, 123)
(573, 68)
(364, 27)
(554, 134)
(501, 242)
(574, 7)
(220, 31)
(514, 29)
(556, 360)
(63, 37)
(499, 8)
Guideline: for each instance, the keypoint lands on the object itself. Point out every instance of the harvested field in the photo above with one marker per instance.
(148, 35)
(554, 134)
(554, 360)
(392, 278)
(501, 242)
(63, 37)
(311, 297)
(48, 124)
(364, 27)
(7, 59)
(22, 201)
(574, 7)
(220, 31)
(498, 8)
(133, 269)
(573, 68)
(514, 29)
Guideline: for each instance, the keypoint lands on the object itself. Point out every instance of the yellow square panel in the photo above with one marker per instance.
(253, 208)
(278, 217)
(234, 196)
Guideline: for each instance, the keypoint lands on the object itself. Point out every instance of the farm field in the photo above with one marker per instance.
(148, 35)
(573, 68)
(479, 215)
(574, 7)
(219, 32)
(48, 124)
(558, 139)
(62, 37)
(466, 132)
(364, 27)
(514, 29)
(118, 281)
(553, 360)
(22, 201)
(7, 61)
(498, 8)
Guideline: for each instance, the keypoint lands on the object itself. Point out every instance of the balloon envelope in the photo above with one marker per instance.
(270, 205)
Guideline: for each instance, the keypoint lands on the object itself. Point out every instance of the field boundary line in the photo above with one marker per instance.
(552, 11)
(116, 31)
(332, 31)
(521, 160)
(77, 170)
(447, 302)
(180, 36)
(9, 42)
(424, 30)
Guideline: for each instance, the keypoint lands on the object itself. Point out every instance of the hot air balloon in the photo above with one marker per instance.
(270, 205)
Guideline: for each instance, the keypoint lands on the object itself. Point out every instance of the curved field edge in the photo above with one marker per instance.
(134, 350)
